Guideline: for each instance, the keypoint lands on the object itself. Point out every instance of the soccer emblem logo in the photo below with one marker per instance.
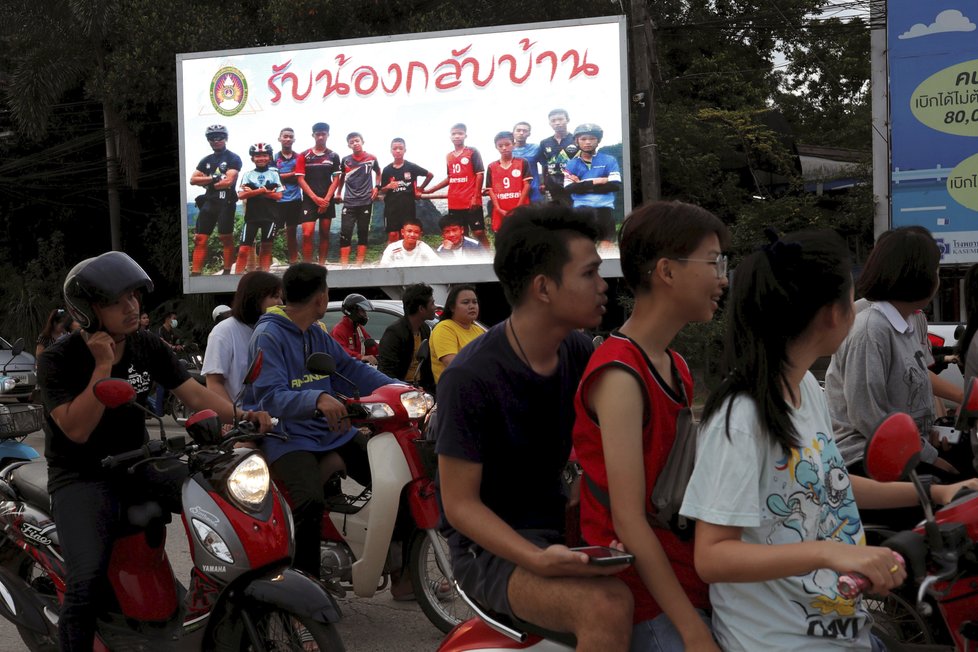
(229, 91)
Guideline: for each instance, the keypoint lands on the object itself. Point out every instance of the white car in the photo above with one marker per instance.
(20, 367)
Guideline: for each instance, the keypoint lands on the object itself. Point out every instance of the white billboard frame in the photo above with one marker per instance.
(520, 39)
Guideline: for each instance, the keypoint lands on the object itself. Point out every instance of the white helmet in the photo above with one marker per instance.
(220, 312)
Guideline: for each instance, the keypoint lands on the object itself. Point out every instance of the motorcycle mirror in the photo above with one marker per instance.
(321, 364)
(959, 331)
(114, 392)
(204, 427)
(17, 348)
(894, 449)
(254, 369)
(423, 351)
(968, 412)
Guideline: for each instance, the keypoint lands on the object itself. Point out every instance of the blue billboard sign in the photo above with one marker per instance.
(933, 82)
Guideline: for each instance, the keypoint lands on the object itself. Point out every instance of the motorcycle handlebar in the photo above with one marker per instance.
(149, 449)
(852, 585)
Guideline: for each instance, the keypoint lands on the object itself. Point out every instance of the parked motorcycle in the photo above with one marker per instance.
(939, 601)
(17, 420)
(242, 593)
(357, 528)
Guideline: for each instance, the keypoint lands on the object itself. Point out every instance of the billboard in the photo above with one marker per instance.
(413, 87)
(933, 82)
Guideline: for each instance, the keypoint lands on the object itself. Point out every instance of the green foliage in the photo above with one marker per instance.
(30, 293)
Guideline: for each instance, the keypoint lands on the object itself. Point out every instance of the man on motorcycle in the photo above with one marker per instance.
(103, 294)
(350, 332)
(315, 421)
(504, 436)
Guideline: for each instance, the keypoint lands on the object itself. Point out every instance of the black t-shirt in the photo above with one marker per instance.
(400, 201)
(553, 155)
(64, 371)
(220, 161)
(494, 410)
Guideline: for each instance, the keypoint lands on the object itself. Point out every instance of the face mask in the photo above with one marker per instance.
(173, 323)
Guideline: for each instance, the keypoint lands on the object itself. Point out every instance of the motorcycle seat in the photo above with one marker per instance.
(31, 481)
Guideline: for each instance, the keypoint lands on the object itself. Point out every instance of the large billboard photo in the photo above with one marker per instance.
(364, 155)
(933, 70)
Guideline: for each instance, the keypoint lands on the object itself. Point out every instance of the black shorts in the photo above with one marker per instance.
(290, 213)
(251, 230)
(216, 212)
(472, 218)
(604, 222)
(310, 211)
(485, 577)
(394, 221)
(355, 216)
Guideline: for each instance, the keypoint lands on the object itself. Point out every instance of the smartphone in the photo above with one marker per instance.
(952, 435)
(604, 556)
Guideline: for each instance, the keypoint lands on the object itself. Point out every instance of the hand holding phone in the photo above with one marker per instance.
(605, 556)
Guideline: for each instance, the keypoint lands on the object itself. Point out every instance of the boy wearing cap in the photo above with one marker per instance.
(592, 179)
(261, 189)
(216, 173)
(317, 171)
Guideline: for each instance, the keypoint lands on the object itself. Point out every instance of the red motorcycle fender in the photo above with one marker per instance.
(20, 605)
(424, 507)
(292, 591)
(142, 579)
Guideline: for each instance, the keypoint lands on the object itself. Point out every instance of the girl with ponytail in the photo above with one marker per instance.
(776, 515)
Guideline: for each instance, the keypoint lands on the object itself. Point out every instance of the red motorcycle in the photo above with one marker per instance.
(358, 526)
(938, 605)
(242, 594)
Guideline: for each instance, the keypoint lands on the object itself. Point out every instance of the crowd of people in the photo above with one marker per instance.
(301, 191)
(778, 492)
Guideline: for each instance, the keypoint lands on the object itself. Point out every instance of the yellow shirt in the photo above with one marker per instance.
(448, 338)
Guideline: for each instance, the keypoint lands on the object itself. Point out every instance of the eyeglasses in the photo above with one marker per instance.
(720, 261)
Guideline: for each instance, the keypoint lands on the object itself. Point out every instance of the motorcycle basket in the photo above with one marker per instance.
(429, 459)
(20, 419)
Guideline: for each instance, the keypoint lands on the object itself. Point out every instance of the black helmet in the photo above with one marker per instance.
(102, 279)
(350, 305)
(260, 148)
(589, 128)
(216, 130)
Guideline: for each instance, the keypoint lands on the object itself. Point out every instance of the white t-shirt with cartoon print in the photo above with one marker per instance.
(748, 481)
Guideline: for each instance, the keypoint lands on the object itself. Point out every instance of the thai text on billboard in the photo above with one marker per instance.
(394, 160)
(933, 68)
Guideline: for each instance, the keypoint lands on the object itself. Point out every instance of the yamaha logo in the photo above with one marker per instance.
(229, 91)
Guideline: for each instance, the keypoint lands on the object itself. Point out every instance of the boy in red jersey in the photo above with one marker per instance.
(465, 175)
(507, 179)
(317, 172)
(361, 176)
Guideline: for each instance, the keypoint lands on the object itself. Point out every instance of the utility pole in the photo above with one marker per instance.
(645, 72)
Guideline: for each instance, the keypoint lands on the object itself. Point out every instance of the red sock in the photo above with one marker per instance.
(308, 228)
(200, 252)
(243, 252)
(265, 257)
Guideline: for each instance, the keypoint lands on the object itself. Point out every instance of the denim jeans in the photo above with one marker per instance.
(660, 635)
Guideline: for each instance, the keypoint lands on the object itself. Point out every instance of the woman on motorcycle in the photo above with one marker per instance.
(627, 407)
(226, 359)
(879, 368)
(776, 510)
(103, 294)
(456, 328)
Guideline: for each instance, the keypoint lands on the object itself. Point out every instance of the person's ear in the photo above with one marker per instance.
(663, 270)
(540, 288)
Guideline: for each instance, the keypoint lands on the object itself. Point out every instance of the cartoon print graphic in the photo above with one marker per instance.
(816, 503)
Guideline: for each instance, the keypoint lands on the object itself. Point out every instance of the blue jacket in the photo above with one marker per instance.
(287, 391)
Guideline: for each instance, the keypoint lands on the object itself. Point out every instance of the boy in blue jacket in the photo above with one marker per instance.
(304, 403)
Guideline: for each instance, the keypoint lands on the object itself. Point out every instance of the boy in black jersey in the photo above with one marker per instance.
(399, 188)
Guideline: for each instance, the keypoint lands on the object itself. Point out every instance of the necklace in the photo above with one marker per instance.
(512, 330)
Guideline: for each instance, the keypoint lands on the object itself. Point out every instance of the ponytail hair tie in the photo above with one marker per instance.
(777, 250)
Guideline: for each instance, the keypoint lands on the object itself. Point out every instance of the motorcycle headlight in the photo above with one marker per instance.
(248, 483)
(416, 403)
